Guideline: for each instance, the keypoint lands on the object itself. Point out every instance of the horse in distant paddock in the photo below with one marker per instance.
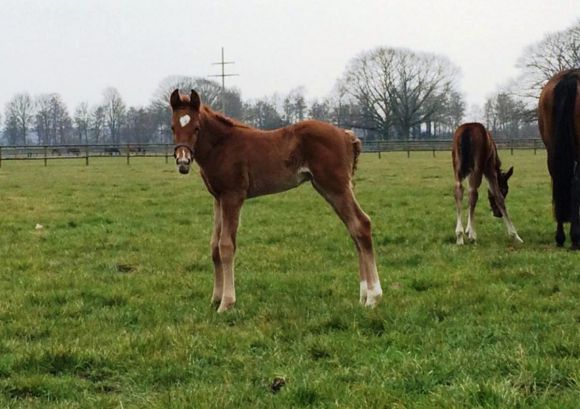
(559, 122)
(239, 162)
(475, 155)
(112, 150)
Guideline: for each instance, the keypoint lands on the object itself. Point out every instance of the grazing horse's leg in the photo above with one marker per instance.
(500, 201)
(359, 227)
(230, 206)
(474, 183)
(458, 204)
(218, 282)
(575, 216)
(560, 235)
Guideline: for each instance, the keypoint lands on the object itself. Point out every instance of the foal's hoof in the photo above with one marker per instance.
(374, 296)
(575, 246)
(363, 293)
(460, 240)
(517, 238)
(226, 305)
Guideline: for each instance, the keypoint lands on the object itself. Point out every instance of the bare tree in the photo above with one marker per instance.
(540, 61)
(449, 116)
(141, 126)
(19, 117)
(210, 92)
(399, 88)
(52, 121)
(421, 83)
(320, 110)
(82, 119)
(114, 110)
(97, 123)
(262, 113)
(294, 106)
(367, 83)
(505, 115)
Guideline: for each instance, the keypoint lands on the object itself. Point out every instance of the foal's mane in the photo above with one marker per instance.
(232, 123)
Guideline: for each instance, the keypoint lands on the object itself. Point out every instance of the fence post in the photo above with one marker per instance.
(0, 156)
(166, 154)
(408, 149)
(45, 155)
(86, 155)
(128, 154)
(535, 148)
(433, 152)
(512, 147)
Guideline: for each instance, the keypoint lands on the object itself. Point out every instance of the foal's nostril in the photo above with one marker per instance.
(183, 161)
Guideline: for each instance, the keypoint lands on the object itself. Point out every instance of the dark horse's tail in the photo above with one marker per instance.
(466, 159)
(564, 147)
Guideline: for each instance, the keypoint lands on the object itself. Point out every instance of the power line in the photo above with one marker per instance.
(223, 75)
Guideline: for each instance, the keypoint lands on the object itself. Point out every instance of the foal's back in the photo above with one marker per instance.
(473, 147)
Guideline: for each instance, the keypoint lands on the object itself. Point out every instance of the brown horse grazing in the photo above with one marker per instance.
(475, 155)
(559, 122)
(239, 162)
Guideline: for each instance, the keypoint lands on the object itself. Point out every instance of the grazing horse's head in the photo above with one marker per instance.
(502, 179)
(185, 125)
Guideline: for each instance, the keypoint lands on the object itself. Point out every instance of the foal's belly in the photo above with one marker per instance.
(276, 182)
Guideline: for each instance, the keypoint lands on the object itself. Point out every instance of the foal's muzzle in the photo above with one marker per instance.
(183, 154)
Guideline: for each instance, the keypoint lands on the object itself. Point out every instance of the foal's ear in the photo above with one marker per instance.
(509, 173)
(195, 100)
(175, 99)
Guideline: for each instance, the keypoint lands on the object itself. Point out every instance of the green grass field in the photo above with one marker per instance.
(108, 306)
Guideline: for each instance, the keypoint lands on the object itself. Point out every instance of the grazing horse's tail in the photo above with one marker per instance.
(465, 157)
(563, 154)
(356, 149)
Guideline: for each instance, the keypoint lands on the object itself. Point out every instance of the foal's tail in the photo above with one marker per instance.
(564, 147)
(356, 149)
(465, 157)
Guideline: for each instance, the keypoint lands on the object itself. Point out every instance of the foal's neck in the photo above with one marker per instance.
(215, 130)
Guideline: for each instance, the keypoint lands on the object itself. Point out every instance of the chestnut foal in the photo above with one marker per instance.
(475, 155)
(239, 162)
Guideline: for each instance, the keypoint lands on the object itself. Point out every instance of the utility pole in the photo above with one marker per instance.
(224, 75)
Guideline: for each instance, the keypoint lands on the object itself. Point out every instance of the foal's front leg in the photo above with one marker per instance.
(230, 215)
(218, 281)
(500, 201)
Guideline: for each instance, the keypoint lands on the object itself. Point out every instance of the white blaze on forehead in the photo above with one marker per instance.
(184, 120)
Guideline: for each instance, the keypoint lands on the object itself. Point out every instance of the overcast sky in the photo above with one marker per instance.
(80, 47)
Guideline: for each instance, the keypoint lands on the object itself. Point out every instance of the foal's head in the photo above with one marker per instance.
(502, 179)
(185, 123)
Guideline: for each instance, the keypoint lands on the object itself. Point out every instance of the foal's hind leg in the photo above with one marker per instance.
(359, 227)
(458, 205)
(474, 183)
(215, 255)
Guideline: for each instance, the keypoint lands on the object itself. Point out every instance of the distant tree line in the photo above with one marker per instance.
(385, 93)
(512, 111)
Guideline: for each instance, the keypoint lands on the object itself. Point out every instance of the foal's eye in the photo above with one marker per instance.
(172, 128)
(197, 130)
